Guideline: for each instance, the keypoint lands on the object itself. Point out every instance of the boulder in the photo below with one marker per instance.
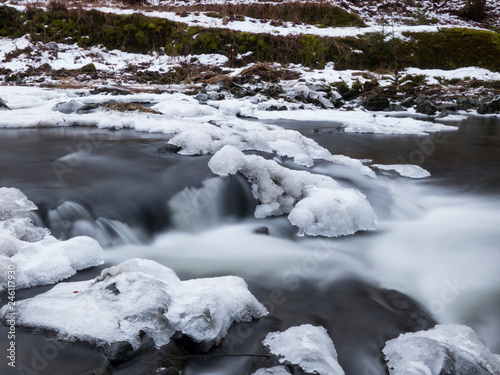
(427, 108)
(490, 107)
(376, 103)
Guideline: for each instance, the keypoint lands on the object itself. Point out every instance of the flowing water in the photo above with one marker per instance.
(437, 240)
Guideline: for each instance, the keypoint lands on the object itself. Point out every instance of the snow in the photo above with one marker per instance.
(140, 295)
(361, 121)
(316, 204)
(454, 347)
(197, 128)
(308, 346)
(405, 170)
(70, 56)
(38, 257)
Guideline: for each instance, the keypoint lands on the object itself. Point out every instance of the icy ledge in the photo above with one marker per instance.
(405, 170)
(142, 303)
(316, 204)
(37, 257)
(444, 349)
(307, 346)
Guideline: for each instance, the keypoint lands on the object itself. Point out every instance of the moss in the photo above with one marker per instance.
(214, 15)
(454, 48)
(89, 68)
(448, 49)
(126, 107)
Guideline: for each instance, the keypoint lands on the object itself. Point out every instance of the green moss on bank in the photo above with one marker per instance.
(454, 48)
(446, 49)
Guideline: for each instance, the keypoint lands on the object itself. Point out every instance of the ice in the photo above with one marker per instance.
(447, 348)
(405, 170)
(38, 257)
(143, 303)
(276, 370)
(317, 204)
(308, 346)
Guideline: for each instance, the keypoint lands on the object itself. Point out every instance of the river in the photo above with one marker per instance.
(433, 258)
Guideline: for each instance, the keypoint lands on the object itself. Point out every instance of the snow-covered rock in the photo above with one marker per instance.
(444, 349)
(405, 170)
(307, 346)
(317, 204)
(37, 257)
(143, 303)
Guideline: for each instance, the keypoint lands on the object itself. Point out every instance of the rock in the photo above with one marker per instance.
(393, 107)
(118, 352)
(421, 98)
(201, 97)
(262, 230)
(113, 289)
(88, 108)
(443, 113)
(319, 88)
(408, 102)
(427, 108)
(490, 107)
(272, 90)
(98, 371)
(216, 96)
(3, 105)
(68, 107)
(451, 107)
(376, 103)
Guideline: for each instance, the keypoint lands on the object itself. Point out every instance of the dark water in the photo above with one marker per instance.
(124, 182)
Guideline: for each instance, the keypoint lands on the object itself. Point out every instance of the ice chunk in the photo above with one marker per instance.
(308, 346)
(446, 348)
(37, 257)
(317, 204)
(405, 170)
(276, 370)
(143, 303)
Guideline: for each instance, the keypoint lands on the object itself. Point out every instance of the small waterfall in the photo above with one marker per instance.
(71, 219)
(218, 200)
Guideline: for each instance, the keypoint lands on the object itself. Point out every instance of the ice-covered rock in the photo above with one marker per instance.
(405, 170)
(307, 346)
(37, 257)
(317, 204)
(276, 370)
(143, 303)
(444, 349)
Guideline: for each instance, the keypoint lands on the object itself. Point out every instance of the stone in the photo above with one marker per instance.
(393, 107)
(118, 352)
(201, 97)
(376, 103)
(452, 107)
(68, 107)
(443, 113)
(408, 102)
(427, 108)
(216, 96)
(98, 371)
(262, 230)
(3, 105)
(490, 107)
